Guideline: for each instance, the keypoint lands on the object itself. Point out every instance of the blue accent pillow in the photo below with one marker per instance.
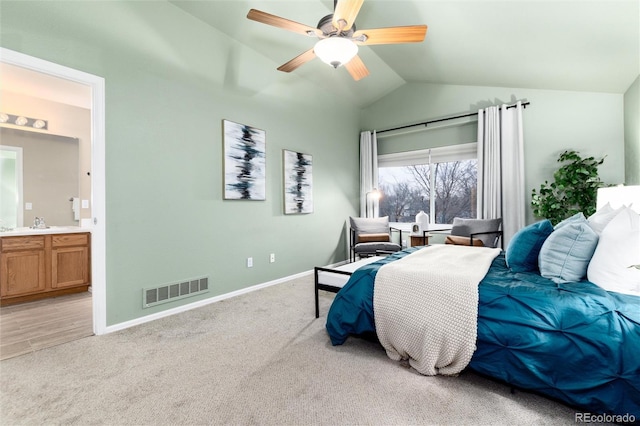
(576, 218)
(565, 255)
(524, 247)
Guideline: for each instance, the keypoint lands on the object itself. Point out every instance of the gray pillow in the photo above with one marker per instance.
(465, 227)
(375, 225)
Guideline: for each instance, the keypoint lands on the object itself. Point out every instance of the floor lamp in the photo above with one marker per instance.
(375, 195)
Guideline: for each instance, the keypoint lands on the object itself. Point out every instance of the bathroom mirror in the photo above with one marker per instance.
(48, 186)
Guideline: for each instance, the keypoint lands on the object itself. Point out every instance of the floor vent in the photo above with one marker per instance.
(175, 291)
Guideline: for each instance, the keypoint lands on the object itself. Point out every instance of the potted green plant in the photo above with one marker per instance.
(574, 189)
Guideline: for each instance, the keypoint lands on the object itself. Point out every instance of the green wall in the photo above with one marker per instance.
(632, 134)
(170, 80)
(591, 123)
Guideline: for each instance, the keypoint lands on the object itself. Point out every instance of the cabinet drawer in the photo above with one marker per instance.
(33, 242)
(65, 240)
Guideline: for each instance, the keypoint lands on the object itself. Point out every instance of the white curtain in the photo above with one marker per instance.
(501, 168)
(368, 173)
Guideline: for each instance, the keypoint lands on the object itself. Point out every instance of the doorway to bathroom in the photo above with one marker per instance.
(95, 302)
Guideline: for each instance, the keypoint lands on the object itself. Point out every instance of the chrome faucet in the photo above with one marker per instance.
(38, 222)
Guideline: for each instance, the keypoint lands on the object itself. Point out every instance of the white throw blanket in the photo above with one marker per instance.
(426, 306)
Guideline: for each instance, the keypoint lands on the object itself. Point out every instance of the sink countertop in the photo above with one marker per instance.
(49, 230)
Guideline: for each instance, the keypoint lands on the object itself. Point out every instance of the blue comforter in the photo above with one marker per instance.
(575, 342)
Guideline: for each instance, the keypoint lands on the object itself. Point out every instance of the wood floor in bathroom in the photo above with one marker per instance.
(32, 326)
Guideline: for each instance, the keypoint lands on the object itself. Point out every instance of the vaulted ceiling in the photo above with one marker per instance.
(582, 45)
(578, 45)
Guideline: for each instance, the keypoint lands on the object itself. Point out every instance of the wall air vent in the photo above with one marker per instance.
(174, 291)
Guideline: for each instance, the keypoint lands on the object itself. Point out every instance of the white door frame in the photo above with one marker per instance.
(98, 178)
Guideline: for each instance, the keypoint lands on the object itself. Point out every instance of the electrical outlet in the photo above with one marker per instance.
(249, 262)
(272, 257)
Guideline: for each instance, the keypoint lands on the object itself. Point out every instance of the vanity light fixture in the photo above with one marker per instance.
(22, 121)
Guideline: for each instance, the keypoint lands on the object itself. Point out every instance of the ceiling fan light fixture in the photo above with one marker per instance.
(335, 51)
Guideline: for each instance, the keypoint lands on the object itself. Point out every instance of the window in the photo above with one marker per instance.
(440, 181)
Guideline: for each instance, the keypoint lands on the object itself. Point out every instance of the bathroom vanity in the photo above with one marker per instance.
(39, 263)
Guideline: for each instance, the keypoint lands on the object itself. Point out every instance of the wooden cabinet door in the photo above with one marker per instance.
(22, 272)
(69, 267)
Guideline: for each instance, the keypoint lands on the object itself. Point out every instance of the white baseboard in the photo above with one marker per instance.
(200, 303)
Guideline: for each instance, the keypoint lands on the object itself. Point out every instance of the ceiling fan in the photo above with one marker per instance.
(338, 37)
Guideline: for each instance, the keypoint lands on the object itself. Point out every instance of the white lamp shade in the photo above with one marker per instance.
(618, 196)
(335, 51)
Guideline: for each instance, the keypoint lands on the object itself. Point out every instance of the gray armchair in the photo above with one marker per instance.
(475, 232)
(371, 236)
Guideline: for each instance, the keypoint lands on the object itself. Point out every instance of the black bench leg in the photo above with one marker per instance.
(315, 285)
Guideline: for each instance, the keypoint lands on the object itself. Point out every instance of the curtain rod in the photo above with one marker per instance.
(471, 114)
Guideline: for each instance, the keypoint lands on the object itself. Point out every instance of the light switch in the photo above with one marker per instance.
(28, 206)
(85, 204)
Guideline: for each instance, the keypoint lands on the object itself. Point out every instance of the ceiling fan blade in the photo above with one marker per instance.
(346, 10)
(392, 35)
(356, 68)
(286, 24)
(298, 61)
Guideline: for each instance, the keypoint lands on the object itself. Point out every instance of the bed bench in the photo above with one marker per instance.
(333, 279)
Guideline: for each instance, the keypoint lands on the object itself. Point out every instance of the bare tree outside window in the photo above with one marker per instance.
(408, 189)
(399, 200)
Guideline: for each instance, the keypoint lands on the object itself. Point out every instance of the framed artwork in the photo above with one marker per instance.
(298, 182)
(245, 159)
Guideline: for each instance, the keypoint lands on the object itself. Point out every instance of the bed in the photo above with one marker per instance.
(572, 341)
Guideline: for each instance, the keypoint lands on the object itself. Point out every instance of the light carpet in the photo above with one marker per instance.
(260, 358)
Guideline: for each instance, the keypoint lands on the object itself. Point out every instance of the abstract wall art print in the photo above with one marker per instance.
(245, 159)
(298, 182)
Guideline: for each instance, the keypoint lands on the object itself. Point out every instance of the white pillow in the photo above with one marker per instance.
(614, 265)
(602, 217)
